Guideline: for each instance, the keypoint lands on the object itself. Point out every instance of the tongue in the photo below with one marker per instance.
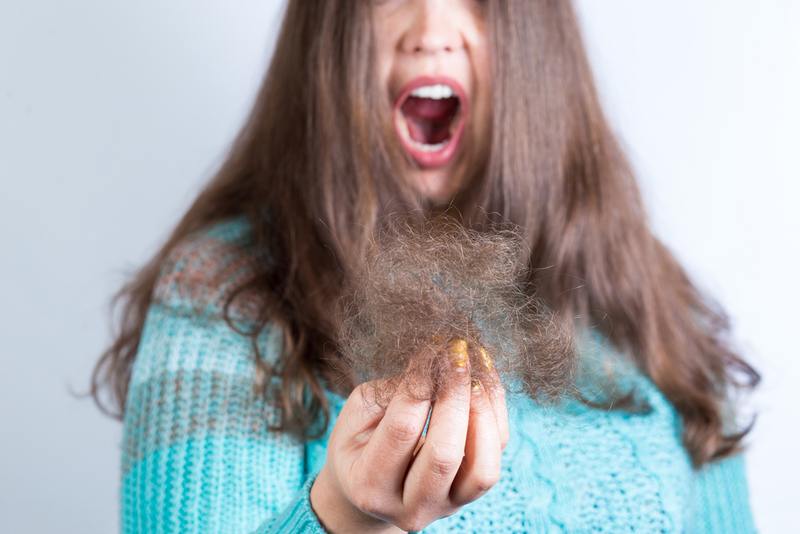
(428, 119)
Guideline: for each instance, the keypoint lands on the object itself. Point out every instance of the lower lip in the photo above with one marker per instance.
(440, 158)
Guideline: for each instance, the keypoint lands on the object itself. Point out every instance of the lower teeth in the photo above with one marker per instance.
(430, 148)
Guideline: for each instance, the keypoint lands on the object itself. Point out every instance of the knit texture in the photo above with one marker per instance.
(198, 455)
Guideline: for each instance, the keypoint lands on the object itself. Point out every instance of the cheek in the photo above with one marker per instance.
(483, 67)
(476, 35)
(482, 97)
(485, 93)
(386, 35)
(383, 60)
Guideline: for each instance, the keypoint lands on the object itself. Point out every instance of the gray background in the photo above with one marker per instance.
(112, 115)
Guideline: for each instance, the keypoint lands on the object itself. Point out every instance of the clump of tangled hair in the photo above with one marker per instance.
(423, 287)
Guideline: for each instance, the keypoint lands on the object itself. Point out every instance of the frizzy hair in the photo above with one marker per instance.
(317, 166)
(424, 289)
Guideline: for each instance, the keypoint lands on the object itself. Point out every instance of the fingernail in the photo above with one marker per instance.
(458, 353)
(487, 361)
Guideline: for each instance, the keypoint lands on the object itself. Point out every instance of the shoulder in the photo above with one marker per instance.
(203, 273)
(186, 332)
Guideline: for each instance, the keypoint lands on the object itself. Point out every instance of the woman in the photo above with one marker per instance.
(232, 394)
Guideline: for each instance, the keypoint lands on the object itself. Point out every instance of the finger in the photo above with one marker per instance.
(358, 418)
(419, 444)
(497, 397)
(480, 469)
(437, 462)
(384, 460)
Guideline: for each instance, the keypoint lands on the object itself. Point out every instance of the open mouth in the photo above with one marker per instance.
(429, 117)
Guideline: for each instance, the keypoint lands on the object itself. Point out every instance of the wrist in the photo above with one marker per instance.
(337, 514)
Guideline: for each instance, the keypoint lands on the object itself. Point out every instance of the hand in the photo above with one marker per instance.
(373, 481)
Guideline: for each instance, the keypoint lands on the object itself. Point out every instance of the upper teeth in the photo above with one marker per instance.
(436, 92)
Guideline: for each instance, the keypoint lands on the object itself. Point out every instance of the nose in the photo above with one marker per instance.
(432, 28)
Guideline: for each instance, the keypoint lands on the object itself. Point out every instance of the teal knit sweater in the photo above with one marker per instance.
(198, 456)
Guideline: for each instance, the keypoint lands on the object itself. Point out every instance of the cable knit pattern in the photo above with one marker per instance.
(198, 455)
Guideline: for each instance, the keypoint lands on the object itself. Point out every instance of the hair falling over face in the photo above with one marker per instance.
(317, 167)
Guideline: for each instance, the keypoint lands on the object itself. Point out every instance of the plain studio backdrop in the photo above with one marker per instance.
(113, 114)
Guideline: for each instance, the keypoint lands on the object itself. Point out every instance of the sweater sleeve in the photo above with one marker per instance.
(198, 454)
(721, 504)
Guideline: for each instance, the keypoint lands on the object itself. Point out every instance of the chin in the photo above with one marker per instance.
(434, 185)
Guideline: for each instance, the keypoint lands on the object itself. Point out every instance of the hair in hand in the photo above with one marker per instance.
(435, 296)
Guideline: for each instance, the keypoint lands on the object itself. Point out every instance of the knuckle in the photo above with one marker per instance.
(367, 501)
(445, 458)
(357, 395)
(486, 479)
(404, 427)
(481, 405)
(415, 522)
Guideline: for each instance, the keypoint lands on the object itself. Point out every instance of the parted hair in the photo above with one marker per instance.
(317, 166)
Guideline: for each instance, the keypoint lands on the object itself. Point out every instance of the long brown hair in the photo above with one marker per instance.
(317, 165)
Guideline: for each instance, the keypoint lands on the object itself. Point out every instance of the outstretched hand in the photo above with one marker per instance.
(377, 477)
